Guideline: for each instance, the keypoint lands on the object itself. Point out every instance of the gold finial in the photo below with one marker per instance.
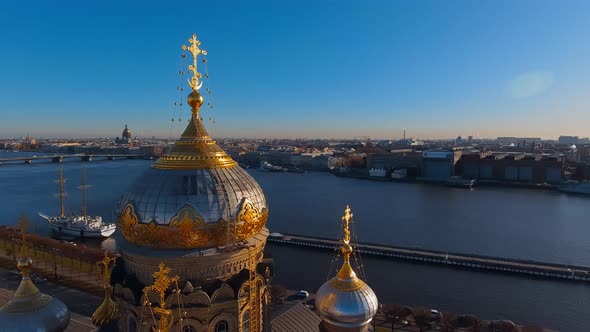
(346, 248)
(161, 283)
(108, 310)
(346, 273)
(346, 219)
(26, 289)
(23, 225)
(24, 265)
(106, 262)
(195, 51)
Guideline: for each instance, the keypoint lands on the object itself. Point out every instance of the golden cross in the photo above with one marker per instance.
(105, 262)
(195, 51)
(346, 219)
(161, 283)
(23, 225)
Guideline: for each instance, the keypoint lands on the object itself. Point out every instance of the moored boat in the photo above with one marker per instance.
(268, 167)
(575, 187)
(459, 182)
(82, 225)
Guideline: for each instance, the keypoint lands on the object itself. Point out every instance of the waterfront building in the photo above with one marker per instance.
(569, 140)
(152, 150)
(395, 159)
(523, 141)
(439, 165)
(514, 167)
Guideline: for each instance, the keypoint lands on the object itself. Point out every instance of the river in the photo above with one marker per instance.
(519, 223)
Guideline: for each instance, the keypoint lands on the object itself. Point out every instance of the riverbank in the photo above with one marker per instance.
(442, 182)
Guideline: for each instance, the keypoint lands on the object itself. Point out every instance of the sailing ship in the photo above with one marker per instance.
(82, 225)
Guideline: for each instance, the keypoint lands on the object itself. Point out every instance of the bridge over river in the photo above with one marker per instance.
(60, 158)
(468, 261)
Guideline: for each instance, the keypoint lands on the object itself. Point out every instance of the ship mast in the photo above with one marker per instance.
(84, 192)
(84, 186)
(62, 194)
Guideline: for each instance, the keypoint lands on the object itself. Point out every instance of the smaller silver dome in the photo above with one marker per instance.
(31, 310)
(341, 307)
(346, 301)
(54, 316)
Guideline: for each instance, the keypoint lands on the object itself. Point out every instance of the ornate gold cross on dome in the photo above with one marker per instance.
(195, 51)
(161, 283)
(347, 218)
(106, 262)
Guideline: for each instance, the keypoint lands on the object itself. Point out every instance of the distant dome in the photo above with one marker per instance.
(31, 310)
(126, 133)
(346, 301)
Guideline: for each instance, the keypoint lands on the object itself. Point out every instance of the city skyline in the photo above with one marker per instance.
(328, 70)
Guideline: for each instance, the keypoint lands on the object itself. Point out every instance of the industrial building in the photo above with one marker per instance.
(440, 165)
(513, 167)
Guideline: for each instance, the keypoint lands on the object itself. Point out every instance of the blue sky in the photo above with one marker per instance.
(299, 68)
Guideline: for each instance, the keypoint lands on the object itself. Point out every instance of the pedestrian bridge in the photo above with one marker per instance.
(451, 259)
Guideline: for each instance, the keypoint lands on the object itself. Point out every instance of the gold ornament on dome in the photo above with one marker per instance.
(186, 230)
(161, 283)
(250, 220)
(346, 279)
(108, 310)
(195, 50)
(195, 149)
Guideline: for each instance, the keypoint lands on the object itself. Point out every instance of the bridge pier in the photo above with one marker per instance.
(57, 159)
(87, 158)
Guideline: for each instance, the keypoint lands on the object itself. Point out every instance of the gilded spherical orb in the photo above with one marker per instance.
(24, 263)
(195, 100)
(346, 249)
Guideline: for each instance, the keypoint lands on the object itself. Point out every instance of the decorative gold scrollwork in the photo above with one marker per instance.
(249, 220)
(186, 230)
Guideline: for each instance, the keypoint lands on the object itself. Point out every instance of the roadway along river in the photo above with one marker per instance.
(520, 223)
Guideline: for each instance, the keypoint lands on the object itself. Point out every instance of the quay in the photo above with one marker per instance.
(451, 259)
(60, 158)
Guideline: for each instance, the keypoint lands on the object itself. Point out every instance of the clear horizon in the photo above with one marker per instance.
(330, 69)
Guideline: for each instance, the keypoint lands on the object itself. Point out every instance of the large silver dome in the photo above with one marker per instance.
(195, 196)
(215, 194)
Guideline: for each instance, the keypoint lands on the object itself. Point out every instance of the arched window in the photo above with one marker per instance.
(221, 326)
(131, 324)
(246, 321)
(189, 328)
